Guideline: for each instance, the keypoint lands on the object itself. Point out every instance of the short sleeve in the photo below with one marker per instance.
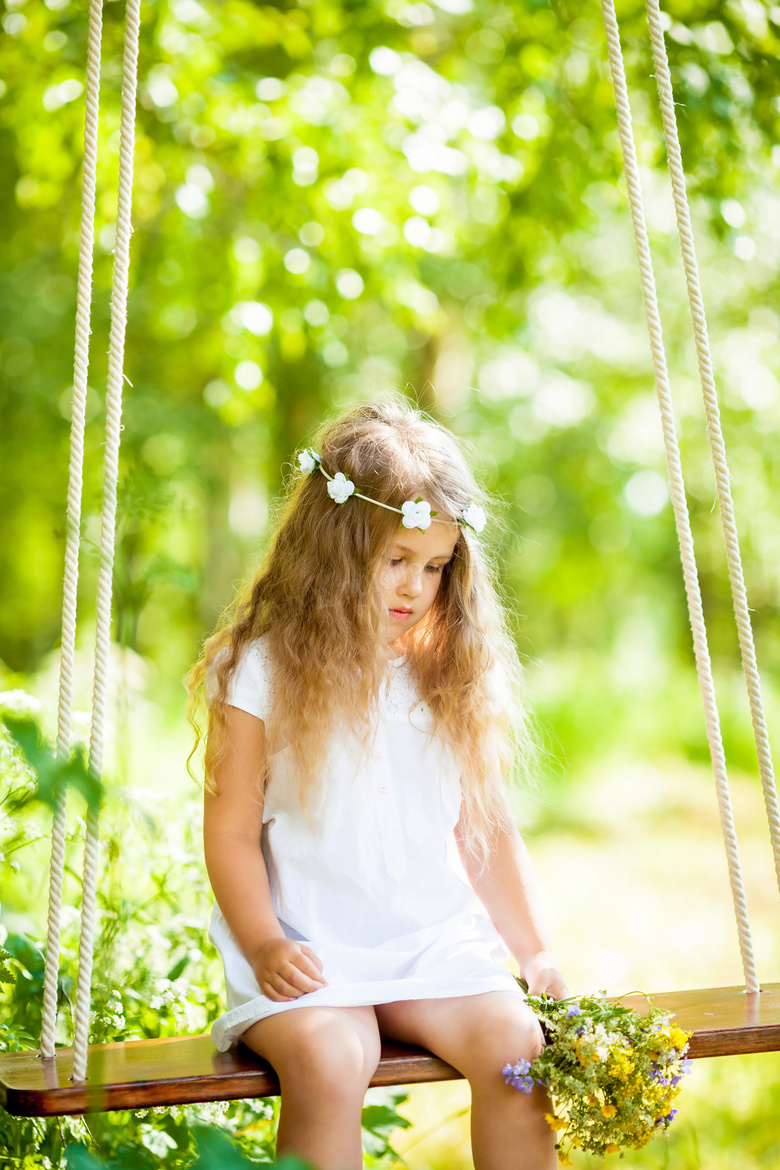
(249, 687)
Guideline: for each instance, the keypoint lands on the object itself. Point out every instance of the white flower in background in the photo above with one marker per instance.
(19, 702)
(416, 514)
(474, 516)
(340, 488)
(308, 460)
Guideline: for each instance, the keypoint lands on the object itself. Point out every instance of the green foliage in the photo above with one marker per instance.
(5, 974)
(213, 1151)
(380, 1119)
(52, 772)
(334, 199)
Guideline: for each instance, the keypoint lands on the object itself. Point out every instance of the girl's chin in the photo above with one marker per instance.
(394, 636)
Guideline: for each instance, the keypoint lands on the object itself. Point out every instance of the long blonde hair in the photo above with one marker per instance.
(316, 598)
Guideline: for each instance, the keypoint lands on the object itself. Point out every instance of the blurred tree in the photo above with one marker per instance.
(337, 197)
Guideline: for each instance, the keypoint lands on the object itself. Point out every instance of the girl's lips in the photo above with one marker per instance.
(400, 614)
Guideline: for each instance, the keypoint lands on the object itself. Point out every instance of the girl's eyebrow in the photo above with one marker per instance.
(436, 556)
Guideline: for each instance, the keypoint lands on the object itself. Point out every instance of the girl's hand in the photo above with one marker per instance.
(541, 974)
(286, 970)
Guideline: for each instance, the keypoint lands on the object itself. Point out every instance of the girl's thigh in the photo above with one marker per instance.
(476, 1034)
(329, 1045)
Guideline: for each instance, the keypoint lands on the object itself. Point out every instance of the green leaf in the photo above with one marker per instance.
(178, 968)
(53, 773)
(216, 1151)
(79, 1158)
(383, 1119)
(379, 1120)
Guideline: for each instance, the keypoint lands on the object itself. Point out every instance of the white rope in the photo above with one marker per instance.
(70, 585)
(682, 519)
(715, 431)
(108, 523)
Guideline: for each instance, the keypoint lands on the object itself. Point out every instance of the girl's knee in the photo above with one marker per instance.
(503, 1033)
(332, 1061)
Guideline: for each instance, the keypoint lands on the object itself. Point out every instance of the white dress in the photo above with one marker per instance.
(373, 884)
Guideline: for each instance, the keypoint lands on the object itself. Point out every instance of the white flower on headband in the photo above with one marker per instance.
(416, 514)
(474, 516)
(308, 460)
(340, 488)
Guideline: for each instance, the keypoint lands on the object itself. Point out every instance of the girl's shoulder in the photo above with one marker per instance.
(249, 686)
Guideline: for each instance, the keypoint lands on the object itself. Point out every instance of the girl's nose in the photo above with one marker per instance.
(412, 586)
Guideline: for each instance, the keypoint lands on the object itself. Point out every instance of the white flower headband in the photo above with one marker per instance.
(414, 513)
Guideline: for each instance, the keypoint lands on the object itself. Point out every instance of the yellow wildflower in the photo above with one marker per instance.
(564, 1159)
(555, 1123)
(612, 1148)
(608, 1110)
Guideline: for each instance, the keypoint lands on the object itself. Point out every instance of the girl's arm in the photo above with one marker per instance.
(506, 887)
(232, 828)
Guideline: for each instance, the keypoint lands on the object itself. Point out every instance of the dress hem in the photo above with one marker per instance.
(228, 1029)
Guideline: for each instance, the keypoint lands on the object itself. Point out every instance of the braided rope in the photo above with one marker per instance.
(108, 523)
(715, 431)
(70, 585)
(679, 502)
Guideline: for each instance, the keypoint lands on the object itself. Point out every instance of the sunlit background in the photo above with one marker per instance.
(336, 198)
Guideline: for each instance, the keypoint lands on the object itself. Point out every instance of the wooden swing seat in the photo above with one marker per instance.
(181, 1070)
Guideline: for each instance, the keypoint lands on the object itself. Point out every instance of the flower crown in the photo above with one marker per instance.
(414, 513)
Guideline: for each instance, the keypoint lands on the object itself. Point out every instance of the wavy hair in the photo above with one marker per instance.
(316, 596)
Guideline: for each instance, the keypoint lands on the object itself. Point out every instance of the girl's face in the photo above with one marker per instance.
(410, 574)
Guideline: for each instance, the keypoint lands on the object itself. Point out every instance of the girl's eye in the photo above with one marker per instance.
(433, 568)
(394, 561)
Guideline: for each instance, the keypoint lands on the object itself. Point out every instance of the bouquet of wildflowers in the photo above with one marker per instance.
(612, 1073)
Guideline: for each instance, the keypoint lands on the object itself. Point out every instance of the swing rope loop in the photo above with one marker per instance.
(715, 430)
(108, 524)
(679, 502)
(70, 585)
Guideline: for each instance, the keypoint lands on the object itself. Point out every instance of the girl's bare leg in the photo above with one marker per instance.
(478, 1035)
(324, 1058)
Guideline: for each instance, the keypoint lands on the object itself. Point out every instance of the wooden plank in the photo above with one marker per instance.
(725, 1021)
(172, 1071)
(185, 1069)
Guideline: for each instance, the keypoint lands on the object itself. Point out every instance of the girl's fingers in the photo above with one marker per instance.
(270, 991)
(309, 953)
(293, 975)
(308, 962)
(284, 987)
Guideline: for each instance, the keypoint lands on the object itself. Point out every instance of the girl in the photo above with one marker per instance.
(368, 876)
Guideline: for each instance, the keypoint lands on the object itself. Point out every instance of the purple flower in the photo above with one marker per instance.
(686, 1067)
(517, 1075)
(574, 1010)
(671, 1116)
(675, 1080)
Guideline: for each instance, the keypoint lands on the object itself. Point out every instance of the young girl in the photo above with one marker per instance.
(368, 876)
